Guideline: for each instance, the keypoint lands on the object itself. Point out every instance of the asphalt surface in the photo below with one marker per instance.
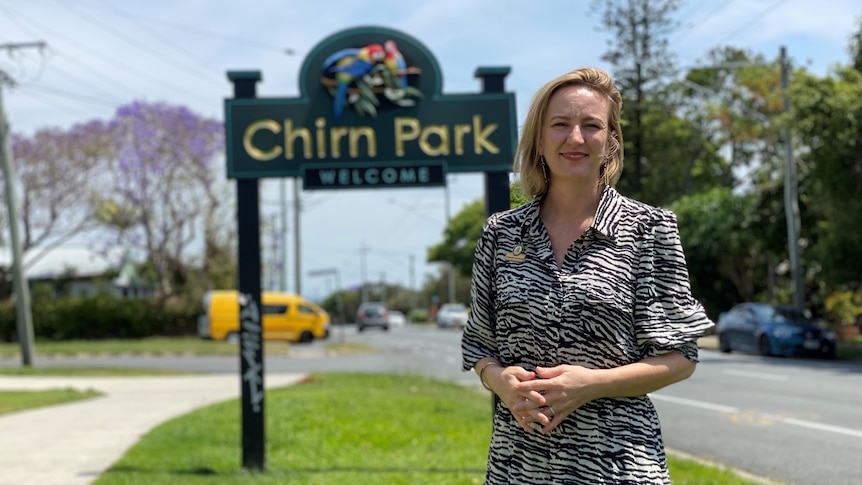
(72, 444)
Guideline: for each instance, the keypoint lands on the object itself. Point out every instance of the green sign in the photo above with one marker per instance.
(370, 114)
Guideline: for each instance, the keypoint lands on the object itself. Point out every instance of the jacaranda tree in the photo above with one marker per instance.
(163, 191)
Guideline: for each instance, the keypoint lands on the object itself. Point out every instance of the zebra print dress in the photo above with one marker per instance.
(621, 294)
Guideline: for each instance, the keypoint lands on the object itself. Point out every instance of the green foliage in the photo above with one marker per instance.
(459, 238)
(417, 316)
(463, 231)
(856, 46)
(103, 317)
(676, 161)
(843, 307)
(828, 121)
(726, 260)
(639, 55)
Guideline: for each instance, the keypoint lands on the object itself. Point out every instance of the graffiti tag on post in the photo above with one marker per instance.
(251, 329)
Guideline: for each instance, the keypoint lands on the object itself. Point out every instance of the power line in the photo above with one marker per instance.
(120, 35)
(74, 96)
(753, 20)
(54, 106)
(692, 25)
(130, 68)
(186, 28)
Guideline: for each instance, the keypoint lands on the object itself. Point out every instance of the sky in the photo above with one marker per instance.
(102, 54)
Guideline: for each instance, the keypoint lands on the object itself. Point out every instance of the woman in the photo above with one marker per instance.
(581, 303)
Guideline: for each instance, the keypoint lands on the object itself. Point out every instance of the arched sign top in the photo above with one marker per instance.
(420, 70)
(371, 113)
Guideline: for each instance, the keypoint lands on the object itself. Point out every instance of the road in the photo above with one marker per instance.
(798, 421)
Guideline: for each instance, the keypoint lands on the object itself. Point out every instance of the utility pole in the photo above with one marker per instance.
(364, 287)
(412, 282)
(450, 268)
(791, 199)
(282, 250)
(23, 312)
(297, 263)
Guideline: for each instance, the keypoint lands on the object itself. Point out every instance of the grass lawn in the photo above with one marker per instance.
(87, 372)
(341, 428)
(337, 428)
(850, 349)
(145, 346)
(12, 401)
(157, 346)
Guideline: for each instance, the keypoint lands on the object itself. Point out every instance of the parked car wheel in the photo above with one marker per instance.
(306, 337)
(723, 344)
(763, 346)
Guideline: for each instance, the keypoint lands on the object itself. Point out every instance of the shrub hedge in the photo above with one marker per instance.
(102, 317)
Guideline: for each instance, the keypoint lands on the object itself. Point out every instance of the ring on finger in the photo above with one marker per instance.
(551, 409)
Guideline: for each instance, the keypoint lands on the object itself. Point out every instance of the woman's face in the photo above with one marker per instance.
(575, 133)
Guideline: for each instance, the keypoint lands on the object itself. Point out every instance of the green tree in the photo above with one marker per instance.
(856, 46)
(463, 231)
(730, 245)
(683, 160)
(827, 121)
(638, 50)
(735, 97)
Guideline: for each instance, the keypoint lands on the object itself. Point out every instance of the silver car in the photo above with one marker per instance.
(372, 314)
(452, 315)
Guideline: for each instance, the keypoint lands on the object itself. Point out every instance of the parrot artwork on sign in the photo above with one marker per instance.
(355, 77)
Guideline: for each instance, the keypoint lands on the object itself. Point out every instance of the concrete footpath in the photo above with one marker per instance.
(72, 444)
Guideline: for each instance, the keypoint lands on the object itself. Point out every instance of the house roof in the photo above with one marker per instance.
(77, 261)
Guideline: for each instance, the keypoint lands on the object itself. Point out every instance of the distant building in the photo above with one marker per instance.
(81, 271)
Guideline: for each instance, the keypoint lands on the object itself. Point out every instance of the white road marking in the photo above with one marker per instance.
(693, 403)
(757, 375)
(775, 418)
(822, 427)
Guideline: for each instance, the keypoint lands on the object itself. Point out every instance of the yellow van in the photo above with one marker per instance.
(285, 317)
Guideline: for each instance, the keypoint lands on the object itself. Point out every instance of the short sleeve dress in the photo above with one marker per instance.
(621, 294)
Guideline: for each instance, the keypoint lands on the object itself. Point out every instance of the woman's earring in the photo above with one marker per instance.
(545, 169)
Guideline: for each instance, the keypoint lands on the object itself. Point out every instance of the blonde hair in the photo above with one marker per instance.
(528, 162)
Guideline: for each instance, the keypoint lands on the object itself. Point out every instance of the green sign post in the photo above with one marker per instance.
(371, 114)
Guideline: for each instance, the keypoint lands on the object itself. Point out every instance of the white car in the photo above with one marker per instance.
(452, 315)
(397, 319)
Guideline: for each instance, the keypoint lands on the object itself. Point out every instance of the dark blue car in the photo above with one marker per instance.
(773, 330)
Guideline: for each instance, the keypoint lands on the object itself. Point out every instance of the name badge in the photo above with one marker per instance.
(517, 255)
